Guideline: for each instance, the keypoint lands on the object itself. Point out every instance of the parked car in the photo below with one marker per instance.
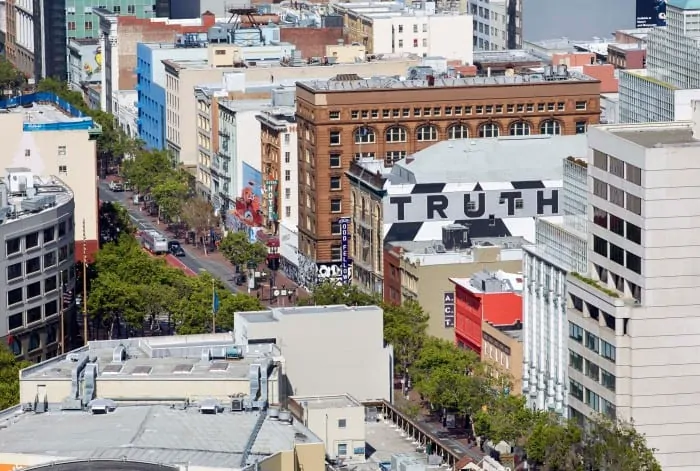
(116, 186)
(176, 249)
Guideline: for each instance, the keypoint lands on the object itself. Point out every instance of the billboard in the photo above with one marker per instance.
(249, 204)
(651, 13)
(344, 250)
(460, 206)
(86, 62)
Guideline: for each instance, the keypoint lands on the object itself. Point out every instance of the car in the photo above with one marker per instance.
(116, 186)
(176, 249)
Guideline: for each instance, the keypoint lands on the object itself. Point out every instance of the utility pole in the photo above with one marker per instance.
(213, 305)
(85, 316)
(61, 320)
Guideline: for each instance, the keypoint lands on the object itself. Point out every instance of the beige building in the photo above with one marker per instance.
(504, 349)
(346, 53)
(338, 420)
(49, 141)
(415, 270)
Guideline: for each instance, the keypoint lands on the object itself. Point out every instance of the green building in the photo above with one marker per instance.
(83, 23)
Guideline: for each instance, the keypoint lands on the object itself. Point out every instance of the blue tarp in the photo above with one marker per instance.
(47, 97)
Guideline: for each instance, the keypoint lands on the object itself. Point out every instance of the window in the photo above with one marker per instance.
(416, 111)
(220, 52)
(617, 225)
(394, 156)
(14, 296)
(49, 235)
(575, 361)
(50, 284)
(550, 106)
(335, 228)
(580, 106)
(61, 228)
(521, 128)
(131, 9)
(600, 246)
(633, 263)
(63, 254)
(400, 28)
(415, 42)
(288, 211)
(335, 138)
(633, 174)
(342, 449)
(425, 27)
(425, 42)
(31, 240)
(63, 169)
(575, 332)
(576, 389)
(600, 217)
(32, 265)
(61, 150)
(561, 106)
(427, 132)
(71, 26)
(489, 130)
(617, 196)
(489, 109)
(634, 233)
(591, 342)
(287, 193)
(499, 109)
(336, 253)
(617, 254)
(479, 109)
(396, 134)
(287, 137)
(117, 9)
(607, 351)
(600, 160)
(540, 106)
(592, 371)
(580, 127)
(616, 167)
(607, 379)
(88, 26)
(14, 271)
(334, 115)
(365, 135)
(634, 204)
(335, 183)
(336, 206)
(34, 290)
(342, 423)
(457, 131)
(16, 321)
(577, 303)
(49, 259)
(550, 127)
(607, 408)
(592, 400)
(287, 175)
(448, 111)
(287, 157)
(13, 246)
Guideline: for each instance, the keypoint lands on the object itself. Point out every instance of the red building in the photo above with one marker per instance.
(492, 297)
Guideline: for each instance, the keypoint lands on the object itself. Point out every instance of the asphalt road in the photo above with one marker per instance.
(192, 260)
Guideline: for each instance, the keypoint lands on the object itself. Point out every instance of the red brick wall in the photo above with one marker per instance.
(311, 42)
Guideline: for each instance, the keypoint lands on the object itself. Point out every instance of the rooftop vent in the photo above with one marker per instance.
(101, 406)
(273, 413)
(142, 371)
(209, 406)
(119, 354)
(237, 404)
(112, 369)
(219, 366)
(182, 369)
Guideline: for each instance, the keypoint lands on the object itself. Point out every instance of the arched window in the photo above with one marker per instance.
(34, 341)
(427, 132)
(521, 128)
(16, 346)
(489, 130)
(550, 126)
(51, 336)
(458, 131)
(396, 134)
(365, 135)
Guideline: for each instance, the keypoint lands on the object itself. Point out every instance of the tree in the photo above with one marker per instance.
(404, 328)
(147, 169)
(553, 445)
(239, 250)
(168, 195)
(198, 214)
(9, 378)
(614, 444)
(505, 419)
(326, 294)
(10, 77)
(114, 221)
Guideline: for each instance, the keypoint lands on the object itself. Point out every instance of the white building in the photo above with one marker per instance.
(664, 90)
(558, 249)
(634, 322)
(426, 32)
(497, 24)
(125, 111)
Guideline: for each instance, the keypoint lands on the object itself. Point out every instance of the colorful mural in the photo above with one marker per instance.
(249, 205)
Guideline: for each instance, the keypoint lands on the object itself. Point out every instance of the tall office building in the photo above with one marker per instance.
(664, 90)
(634, 317)
(559, 249)
(81, 22)
(497, 24)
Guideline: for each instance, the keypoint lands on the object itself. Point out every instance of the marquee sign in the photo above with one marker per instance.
(460, 206)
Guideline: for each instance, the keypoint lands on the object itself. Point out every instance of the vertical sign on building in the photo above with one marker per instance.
(344, 249)
(448, 303)
(651, 13)
(270, 187)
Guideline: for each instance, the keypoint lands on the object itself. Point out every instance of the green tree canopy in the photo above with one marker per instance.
(198, 214)
(10, 77)
(328, 293)
(169, 195)
(9, 378)
(147, 169)
(240, 251)
(405, 328)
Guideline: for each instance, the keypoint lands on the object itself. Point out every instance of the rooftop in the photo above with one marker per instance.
(153, 433)
(509, 55)
(327, 402)
(628, 46)
(391, 83)
(485, 282)
(23, 195)
(656, 136)
(158, 358)
(684, 4)
(433, 252)
(464, 162)
(45, 111)
(274, 314)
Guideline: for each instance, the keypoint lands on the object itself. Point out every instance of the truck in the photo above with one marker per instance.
(154, 242)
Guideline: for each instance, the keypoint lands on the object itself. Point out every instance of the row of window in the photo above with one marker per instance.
(36, 239)
(595, 313)
(34, 265)
(592, 342)
(34, 342)
(33, 290)
(581, 105)
(617, 225)
(617, 254)
(32, 315)
(617, 196)
(617, 167)
(591, 399)
(592, 370)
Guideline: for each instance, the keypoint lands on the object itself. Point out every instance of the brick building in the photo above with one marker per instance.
(627, 56)
(311, 42)
(341, 120)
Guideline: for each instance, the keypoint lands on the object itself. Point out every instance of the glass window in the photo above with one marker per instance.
(607, 379)
(607, 408)
(591, 342)
(489, 130)
(576, 389)
(616, 167)
(617, 254)
(575, 361)
(633, 174)
(575, 332)
(634, 204)
(600, 246)
(365, 135)
(457, 131)
(592, 400)
(335, 228)
(607, 351)
(521, 128)
(14, 296)
(396, 134)
(335, 161)
(342, 449)
(617, 196)
(592, 371)
(61, 228)
(49, 259)
(51, 308)
(600, 217)
(633, 262)
(600, 160)
(13, 246)
(342, 423)
(581, 105)
(550, 127)
(34, 290)
(600, 189)
(34, 315)
(49, 234)
(335, 138)
(427, 132)
(335, 183)
(32, 265)
(14, 271)
(634, 233)
(15, 321)
(63, 254)
(336, 253)
(50, 284)
(336, 206)
(31, 240)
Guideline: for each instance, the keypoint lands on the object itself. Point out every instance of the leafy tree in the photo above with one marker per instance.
(10, 77)
(169, 195)
(404, 328)
(198, 214)
(328, 293)
(505, 419)
(615, 444)
(114, 298)
(147, 169)
(9, 378)
(114, 220)
(553, 445)
(239, 250)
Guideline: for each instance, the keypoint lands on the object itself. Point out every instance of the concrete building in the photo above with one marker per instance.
(422, 270)
(316, 361)
(665, 89)
(37, 225)
(84, 63)
(632, 314)
(49, 137)
(498, 62)
(340, 120)
(627, 56)
(338, 420)
(559, 249)
(497, 24)
(503, 347)
(391, 28)
(125, 110)
(83, 23)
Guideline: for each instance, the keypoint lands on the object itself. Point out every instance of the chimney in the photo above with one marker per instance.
(208, 19)
(695, 104)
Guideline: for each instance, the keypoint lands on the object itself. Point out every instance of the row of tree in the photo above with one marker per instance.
(454, 380)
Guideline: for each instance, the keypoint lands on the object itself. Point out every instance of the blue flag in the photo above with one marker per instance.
(215, 302)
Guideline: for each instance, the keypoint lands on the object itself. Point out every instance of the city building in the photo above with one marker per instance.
(497, 24)
(421, 271)
(338, 420)
(665, 89)
(631, 313)
(448, 166)
(317, 362)
(36, 38)
(82, 22)
(389, 119)
(498, 62)
(493, 297)
(49, 137)
(125, 111)
(627, 55)
(121, 42)
(502, 346)
(84, 63)
(435, 30)
(559, 249)
(37, 225)
(156, 395)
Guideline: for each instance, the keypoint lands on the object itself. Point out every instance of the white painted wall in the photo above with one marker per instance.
(289, 188)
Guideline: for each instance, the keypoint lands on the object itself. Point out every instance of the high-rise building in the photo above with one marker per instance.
(497, 24)
(81, 21)
(633, 314)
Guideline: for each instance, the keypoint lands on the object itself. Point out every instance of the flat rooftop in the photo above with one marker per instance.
(275, 314)
(171, 357)
(153, 433)
(390, 83)
(327, 402)
(655, 137)
(509, 55)
(383, 441)
(40, 113)
(50, 187)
